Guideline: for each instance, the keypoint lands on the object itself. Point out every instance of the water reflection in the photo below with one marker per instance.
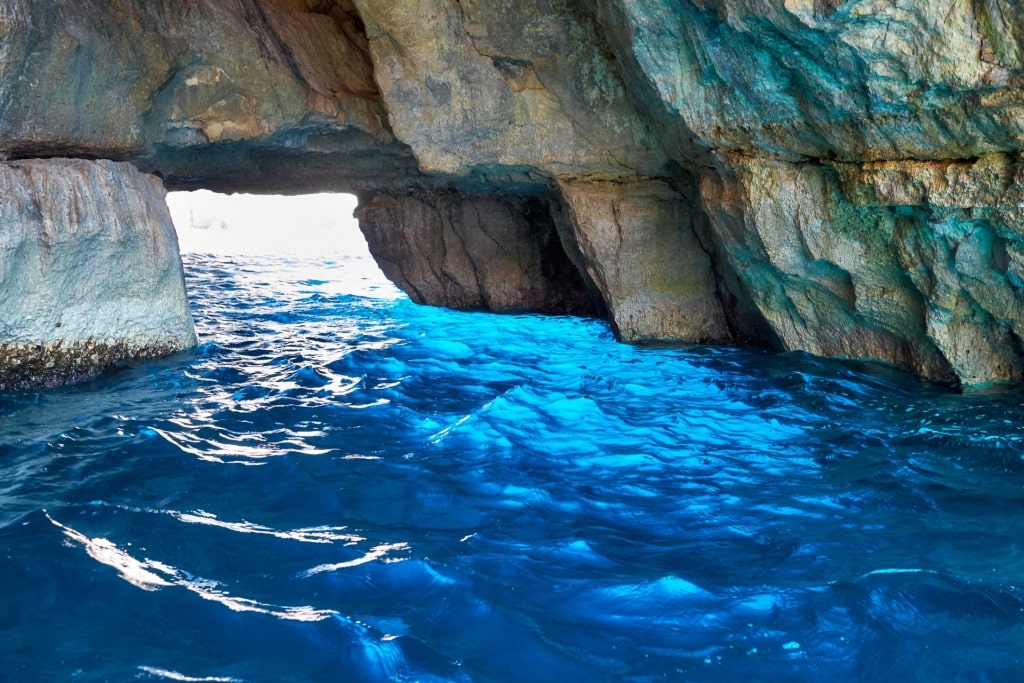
(460, 497)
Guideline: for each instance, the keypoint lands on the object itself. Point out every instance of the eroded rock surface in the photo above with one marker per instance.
(474, 252)
(90, 273)
(853, 261)
(846, 79)
(858, 161)
(234, 94)
(639, 241)
(859, 187)
(476, 87)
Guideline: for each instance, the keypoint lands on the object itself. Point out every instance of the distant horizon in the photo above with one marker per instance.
(310, 226)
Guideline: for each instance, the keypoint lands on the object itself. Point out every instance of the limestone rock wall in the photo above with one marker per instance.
(481, 104)
(90, 273)
(859, 165)
(846, 79)
(641, 247)
(235, 94)
(474, 252)
(837, 176)
(485, 88)
(915, 263)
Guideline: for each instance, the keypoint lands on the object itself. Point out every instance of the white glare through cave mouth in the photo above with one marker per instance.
(315, 231)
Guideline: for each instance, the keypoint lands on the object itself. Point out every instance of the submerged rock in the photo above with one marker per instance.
(90, 273)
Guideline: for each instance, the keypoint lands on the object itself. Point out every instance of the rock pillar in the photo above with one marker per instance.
(90, 273)
(641, 249)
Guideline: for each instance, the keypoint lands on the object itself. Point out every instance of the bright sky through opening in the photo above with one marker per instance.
(316, 234)
(302, 226)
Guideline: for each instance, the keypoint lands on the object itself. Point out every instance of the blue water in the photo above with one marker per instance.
(339, 485)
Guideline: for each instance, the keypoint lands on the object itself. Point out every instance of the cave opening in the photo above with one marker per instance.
(297, 226)
(311, 232)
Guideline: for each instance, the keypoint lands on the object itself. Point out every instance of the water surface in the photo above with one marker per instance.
(339, 485)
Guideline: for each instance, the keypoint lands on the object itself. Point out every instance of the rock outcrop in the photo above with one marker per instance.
(641, 247)
(835, 176)
(485, 252)
(280, 92)
(89, 271)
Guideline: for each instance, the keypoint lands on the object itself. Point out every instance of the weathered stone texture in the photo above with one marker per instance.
(861, 184)
(474, 252)
(853, 80)
(640, 247)
(993, 180)
(89, 271)
(189, 89)
(933, 289)
(484, 87)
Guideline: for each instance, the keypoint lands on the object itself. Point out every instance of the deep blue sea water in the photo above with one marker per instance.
(339, 485)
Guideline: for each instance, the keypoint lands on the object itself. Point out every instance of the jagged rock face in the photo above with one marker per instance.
(824, 79)
(507, 88)
(549, 87)
(857, 160)
(854, 261)
(762, 98)
(90, 273)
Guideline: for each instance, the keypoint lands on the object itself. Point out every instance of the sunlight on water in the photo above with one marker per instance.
(339, 485)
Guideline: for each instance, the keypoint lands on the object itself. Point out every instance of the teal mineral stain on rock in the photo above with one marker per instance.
(862, 159)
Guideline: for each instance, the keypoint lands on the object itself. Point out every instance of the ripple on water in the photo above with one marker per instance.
(339, 483)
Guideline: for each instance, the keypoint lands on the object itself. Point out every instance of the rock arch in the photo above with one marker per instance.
(781, 172)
